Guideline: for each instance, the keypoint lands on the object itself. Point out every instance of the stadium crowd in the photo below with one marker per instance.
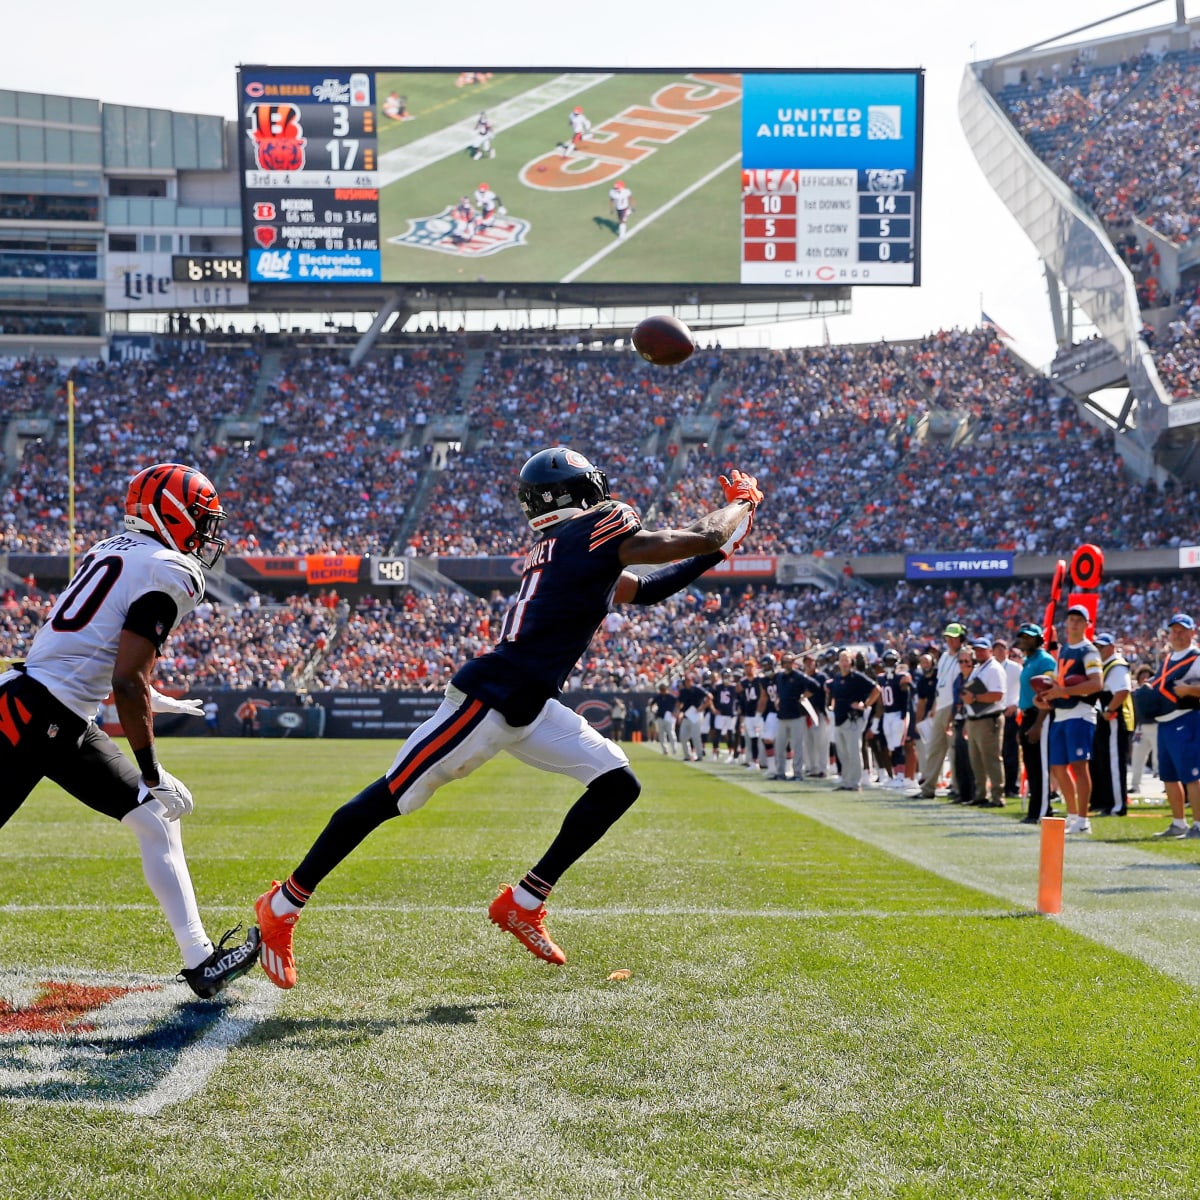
(1124, 138)
(848, 438)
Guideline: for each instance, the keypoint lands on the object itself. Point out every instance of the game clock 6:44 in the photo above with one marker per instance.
(208, 268)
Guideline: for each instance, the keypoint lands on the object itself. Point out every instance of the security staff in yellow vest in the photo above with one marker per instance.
(1110, 752)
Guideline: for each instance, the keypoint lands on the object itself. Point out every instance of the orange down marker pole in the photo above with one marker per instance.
(1050, 867)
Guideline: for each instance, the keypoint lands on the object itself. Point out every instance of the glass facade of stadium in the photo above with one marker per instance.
(94, 200)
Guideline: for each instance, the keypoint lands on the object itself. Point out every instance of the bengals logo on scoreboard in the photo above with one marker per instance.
(278, 136)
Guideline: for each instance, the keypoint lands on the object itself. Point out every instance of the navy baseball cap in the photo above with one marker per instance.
(981, 643)
(1105, 639)
(1182, 619)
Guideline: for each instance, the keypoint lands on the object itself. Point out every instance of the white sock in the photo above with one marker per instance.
(1178, 823)
(281, 906)
(525, 898)
(166, 872)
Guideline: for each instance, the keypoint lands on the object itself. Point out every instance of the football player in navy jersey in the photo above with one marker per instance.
(724, 694)
(894, 686)
(507, 699)
(749, 692)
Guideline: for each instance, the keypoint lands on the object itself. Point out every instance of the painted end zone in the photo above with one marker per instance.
(126, 1042)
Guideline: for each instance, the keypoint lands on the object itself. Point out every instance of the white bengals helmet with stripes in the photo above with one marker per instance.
(557, 485)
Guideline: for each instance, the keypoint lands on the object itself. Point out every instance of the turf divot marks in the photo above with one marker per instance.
(1128, 899)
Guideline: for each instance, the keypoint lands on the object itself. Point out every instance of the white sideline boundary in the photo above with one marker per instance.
(1128, 899)
(456, 139)
(634, 230)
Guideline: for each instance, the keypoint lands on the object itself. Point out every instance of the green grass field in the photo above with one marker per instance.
(698, 240)
(808, 1014)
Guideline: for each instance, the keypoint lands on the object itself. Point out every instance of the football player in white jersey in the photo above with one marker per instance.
(580, 128)
(620, 198)
(488, 202)
(104, 634)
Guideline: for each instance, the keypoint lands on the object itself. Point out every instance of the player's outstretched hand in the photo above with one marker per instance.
(174, 796)
(190, 707)
(739, 486)
(738, 536)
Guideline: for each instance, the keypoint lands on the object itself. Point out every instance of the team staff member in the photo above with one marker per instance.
(792, 688)
(1010, 747)
(507, 699)
(1073, 731)
(985, 724)
(816, 742)
(1035, 722)
(1145, 730)
(943, 712)
(1110, 753)
(693, 702)
(850, 695)
(663, 707)
(1177, 682)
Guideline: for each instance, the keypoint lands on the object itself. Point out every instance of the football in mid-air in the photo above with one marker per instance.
(663, 341)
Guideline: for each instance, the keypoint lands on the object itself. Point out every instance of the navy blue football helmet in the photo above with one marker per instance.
(557, 485)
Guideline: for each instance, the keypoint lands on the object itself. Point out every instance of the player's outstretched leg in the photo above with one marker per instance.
(278, 908)
(522, 910)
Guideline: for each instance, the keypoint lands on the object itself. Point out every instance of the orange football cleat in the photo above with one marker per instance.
(526, 925)
(277, 958)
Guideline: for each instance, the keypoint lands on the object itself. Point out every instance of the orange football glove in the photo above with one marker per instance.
(741, 487)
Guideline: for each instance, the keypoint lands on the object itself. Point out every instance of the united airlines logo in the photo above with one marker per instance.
(447, 233)
(883, 123)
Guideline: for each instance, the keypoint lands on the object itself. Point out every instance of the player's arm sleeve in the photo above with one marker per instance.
(152, 616)
(668, 580)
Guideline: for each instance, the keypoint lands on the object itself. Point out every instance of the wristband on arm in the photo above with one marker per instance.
(668, 580)
(147, 761)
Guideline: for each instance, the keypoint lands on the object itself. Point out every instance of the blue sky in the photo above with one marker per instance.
(183, 56)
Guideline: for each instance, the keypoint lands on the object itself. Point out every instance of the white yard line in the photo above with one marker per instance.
(567, 910)
(198, 1062)
(634, 230)
(457, 138)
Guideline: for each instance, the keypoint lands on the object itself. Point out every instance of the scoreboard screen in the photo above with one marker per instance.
(404, 176)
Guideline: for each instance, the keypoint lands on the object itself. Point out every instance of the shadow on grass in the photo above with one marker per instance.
(1121, 891)
(605, 223)
(312, 1032)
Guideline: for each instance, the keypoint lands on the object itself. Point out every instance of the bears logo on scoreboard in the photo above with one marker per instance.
(278, 137)
(879, 180)
(447, 234)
